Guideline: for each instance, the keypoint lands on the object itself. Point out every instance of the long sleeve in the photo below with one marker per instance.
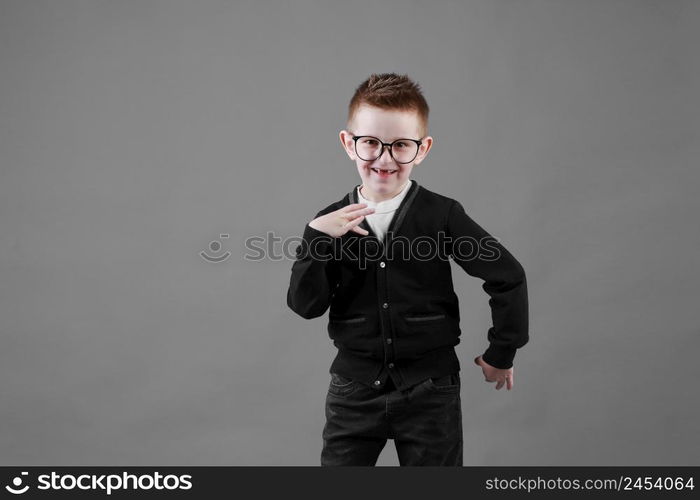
(313, 274)
(504, 281)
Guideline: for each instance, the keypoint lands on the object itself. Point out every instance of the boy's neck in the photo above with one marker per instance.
(376, 198)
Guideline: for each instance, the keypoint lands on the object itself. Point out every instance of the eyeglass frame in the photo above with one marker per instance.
(391, 145)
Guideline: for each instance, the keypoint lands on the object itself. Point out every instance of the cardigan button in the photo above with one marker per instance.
(385, 305)
(391, 365)
(377, 382)
(382, 264)
(388, 341)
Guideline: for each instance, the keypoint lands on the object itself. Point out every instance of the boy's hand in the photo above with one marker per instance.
(343, 220)
(493, 374)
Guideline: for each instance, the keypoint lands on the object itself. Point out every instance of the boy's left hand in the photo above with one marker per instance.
(493, 374)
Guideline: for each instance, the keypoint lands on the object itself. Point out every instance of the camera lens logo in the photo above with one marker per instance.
(215, 246)
(17, 482)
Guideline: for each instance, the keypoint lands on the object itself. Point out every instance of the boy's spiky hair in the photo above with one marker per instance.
(390, 91)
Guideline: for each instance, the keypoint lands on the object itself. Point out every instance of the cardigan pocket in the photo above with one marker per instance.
(356, 333)
(347, 321)
(430, 317)
(420, 333)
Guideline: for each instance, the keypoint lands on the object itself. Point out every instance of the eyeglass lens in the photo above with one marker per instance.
(370, 148)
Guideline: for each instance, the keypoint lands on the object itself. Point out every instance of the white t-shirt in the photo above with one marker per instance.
(383, 210)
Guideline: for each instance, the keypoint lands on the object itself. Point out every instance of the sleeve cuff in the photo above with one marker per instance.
(500, 357)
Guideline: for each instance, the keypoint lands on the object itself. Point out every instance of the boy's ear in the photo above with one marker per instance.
(346, 142)
(424, 148)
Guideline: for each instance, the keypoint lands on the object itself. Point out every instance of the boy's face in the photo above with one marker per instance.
(382, 178)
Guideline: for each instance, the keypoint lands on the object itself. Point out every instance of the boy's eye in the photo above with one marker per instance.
(370, 141)
(400, 144)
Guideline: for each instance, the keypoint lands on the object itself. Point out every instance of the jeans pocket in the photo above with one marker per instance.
(447, 384)
(341, 385)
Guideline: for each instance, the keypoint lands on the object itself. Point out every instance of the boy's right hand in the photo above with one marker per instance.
(503, 376)
(343, 220)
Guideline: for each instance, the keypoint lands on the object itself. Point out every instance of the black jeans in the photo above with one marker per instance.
(425, 422)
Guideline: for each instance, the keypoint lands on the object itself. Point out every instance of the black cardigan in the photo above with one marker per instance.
(393, 309)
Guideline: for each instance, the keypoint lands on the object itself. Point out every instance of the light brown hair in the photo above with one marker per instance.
(390, 91)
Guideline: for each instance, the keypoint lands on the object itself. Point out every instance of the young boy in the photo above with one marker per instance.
(379, 258)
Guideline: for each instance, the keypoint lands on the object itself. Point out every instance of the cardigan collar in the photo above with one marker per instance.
(399, 215)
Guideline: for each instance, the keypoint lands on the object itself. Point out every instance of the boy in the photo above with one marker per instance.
(379, 259)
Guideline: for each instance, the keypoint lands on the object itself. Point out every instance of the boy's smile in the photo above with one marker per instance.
(382, 173)
(383, 178)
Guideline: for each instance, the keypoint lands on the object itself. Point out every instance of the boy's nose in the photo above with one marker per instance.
(386, 158)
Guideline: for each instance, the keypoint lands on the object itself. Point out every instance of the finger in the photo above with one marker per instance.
(476, 360)
(356, 213)
(359, 230)
(353, 206)
(500, 384)
(353, 223)
(510, 383)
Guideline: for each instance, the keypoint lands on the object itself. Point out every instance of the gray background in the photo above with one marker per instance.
(133, 134)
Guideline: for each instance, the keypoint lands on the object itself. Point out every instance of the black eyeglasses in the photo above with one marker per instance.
(371, 148)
